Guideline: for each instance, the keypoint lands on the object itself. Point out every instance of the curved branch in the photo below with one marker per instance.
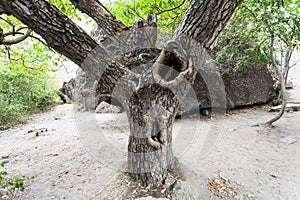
(16, 40)
(5, 20)
(41, 41)
(13, 33)
(283, 89)
(31, 36)
(19, 29)
(171, 9)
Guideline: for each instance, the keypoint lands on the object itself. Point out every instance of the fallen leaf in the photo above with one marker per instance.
(147, 189)
(158, 184)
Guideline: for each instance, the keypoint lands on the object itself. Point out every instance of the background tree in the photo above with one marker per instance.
(265, 32)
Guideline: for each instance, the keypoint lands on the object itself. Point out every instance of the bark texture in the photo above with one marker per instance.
(150, 143)
(204, 20)
(60, 33)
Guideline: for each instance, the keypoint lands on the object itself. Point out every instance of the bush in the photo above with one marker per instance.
(23, 90)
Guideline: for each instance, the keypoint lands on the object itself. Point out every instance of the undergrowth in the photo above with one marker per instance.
(23, 91)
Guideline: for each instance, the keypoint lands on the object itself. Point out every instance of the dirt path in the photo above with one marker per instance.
(80, 153)
(57, 157)
(264, 162)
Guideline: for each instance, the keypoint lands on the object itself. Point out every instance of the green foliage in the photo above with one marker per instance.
(247, 37)
(22, 91)
(68, 8)
(24, 85)
(16, 183)
(168, 21)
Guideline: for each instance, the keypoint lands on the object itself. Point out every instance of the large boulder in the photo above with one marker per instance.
(104, 107)
(250, 86)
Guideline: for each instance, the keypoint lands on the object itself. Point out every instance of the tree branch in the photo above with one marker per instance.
(171, 9)
(15, 40)
(7, 21)
(60, 33)
(31, 36)
(202, 23)
(105, 20)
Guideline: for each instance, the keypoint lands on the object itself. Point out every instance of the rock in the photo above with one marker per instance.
(289, 107)
(233, 89)
(3, 192)
(151, 198)
(169, 183)
(104, 107)
(184, 191)
(289, 85)
(4, 161)
(5, 157)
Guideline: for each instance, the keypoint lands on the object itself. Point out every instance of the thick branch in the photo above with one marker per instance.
(204, 20)
(105, 20)
(60, 33)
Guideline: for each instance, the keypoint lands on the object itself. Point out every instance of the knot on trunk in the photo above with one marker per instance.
(156, 130)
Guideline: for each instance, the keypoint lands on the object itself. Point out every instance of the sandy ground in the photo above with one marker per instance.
(263, 161)
(81, 153)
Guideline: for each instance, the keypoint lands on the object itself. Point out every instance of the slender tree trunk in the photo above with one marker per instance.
(287, 59)
(283, 97)
(105, 19)
(282, 94)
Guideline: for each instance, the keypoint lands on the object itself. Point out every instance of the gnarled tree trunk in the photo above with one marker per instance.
(152, 97)
(152, 109)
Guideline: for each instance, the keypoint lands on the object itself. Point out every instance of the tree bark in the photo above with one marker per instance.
(151, 118)
(107, 22)
(204, 20)
(60, 33)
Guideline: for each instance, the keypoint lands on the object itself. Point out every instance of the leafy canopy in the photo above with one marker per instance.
(246, 38)
(169, 12)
